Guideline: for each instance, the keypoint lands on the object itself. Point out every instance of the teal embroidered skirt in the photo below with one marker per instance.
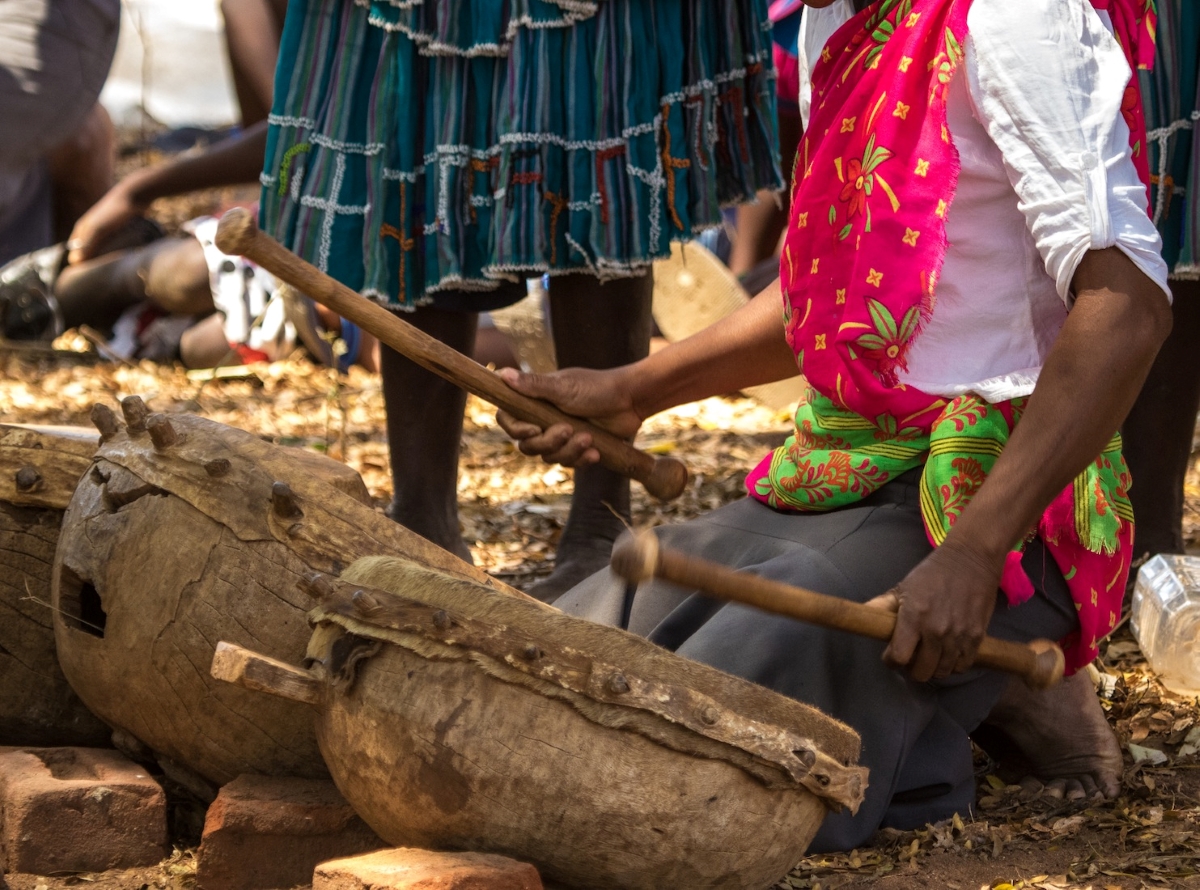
(426, 152)
(1172, 98)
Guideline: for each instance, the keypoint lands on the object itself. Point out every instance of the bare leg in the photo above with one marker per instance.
(368, 346)
(1158, 431)
(1063, 733)
(424, 426)
(759, 227)
(82, 170)
(595, 326)
(252, 31)
(171, 273)
(493, 348)
(204, 344)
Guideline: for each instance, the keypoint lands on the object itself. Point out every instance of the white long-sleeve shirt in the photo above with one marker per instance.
(1047, 175)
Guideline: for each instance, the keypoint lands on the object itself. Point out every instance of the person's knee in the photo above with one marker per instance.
(176, 276)
(204, 344)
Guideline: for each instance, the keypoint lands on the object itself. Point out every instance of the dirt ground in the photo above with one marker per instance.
(513, 509)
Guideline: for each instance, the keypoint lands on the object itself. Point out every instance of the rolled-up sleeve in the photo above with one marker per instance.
(1047, 80)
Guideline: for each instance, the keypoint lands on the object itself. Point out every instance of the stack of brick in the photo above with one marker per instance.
(77, 810)
(263, 833)
(90, 810)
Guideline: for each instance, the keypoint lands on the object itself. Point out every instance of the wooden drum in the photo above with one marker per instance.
(184, 532)
(453, 716)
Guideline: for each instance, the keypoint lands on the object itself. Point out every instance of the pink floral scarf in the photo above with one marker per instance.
(876, 174)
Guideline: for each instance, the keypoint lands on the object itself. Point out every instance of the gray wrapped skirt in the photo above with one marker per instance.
(914, 735)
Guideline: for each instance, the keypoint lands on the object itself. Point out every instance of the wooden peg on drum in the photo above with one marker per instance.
(663, 477)
(639, 557)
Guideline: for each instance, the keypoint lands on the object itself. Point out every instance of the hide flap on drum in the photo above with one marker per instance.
(612, 678)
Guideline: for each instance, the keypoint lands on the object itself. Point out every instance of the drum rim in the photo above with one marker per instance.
(672, 700)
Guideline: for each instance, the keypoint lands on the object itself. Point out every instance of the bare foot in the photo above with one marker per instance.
(1064, 735)
(599, 513)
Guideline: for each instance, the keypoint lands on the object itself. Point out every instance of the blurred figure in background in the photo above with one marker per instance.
(753, 256)
(252, 29)
(56, 157)
(169, 298)
(182, 299)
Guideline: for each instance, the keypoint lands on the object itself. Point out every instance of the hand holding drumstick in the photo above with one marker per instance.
(238, 234)
(640, 557)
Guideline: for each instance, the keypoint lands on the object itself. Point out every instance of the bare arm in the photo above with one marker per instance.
(743, 349)
(746, 348)
(1088, 384)
(233, 161)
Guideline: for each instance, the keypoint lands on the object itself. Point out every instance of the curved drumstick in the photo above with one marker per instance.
(238, 234)
(639, 557)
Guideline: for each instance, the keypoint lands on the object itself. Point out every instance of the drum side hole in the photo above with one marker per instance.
(81, 605)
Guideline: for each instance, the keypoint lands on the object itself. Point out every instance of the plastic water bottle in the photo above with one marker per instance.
(1166, 620)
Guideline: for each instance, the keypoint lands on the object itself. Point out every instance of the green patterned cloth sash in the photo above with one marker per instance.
(837, 458)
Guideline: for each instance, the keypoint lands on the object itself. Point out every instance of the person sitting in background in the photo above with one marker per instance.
(67, 141)
(182, 298)
(57, 154)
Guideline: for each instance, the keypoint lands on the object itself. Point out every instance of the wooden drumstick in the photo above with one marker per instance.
(639, 557)
(238, 234)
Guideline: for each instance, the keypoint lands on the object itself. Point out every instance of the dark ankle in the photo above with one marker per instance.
(444, 532)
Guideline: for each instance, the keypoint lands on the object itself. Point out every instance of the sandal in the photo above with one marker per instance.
(28, 310)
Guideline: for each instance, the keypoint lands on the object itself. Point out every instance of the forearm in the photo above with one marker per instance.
(231, 162)
(746, 348)
(1089, 382)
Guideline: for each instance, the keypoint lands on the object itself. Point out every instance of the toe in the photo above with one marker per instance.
(1056, 789)
(1110, 786)
(1089, 786)
(1074, 790)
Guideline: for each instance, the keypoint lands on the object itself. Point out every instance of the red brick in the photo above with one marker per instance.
(263, 833)
(78, 809)
(406, 868)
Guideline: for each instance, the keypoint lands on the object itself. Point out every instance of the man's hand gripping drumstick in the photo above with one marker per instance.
(639, 557)
(665, 478)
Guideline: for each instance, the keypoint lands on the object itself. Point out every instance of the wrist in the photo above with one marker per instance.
(638, 384)
(981, 552)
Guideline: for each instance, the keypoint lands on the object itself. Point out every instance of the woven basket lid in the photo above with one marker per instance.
(692, 290)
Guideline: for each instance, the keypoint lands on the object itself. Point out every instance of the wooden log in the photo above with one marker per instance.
(37, 705)
(40, 465)
(171, 546)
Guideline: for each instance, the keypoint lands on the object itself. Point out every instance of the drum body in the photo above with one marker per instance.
(193, 535)
(453, 717)
(39, 468)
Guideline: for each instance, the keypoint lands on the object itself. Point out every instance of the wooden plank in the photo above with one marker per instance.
(234, 664)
